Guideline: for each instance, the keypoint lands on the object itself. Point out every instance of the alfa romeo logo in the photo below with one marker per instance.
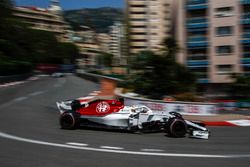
(102, 107)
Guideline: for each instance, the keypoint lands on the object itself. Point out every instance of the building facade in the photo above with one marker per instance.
(118, 43)
(149, 22)
(215, 38)
(86, 41)
(49, 19)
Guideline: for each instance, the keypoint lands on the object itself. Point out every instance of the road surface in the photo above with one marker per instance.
(30, 135)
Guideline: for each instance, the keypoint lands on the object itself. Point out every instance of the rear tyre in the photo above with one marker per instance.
(176, 128)
(69, 120)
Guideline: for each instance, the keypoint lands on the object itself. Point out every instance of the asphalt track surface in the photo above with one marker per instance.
(31, 136)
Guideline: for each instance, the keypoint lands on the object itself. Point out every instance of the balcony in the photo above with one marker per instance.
(196, 5)
(246, 55)
(197, 63)
(197, 30)
(196, 2)
(200, 56)
(245, 39)
(199, 22)
(245, 61)
(203, 81)
(245, 2)
(199, 41)
(245, 18)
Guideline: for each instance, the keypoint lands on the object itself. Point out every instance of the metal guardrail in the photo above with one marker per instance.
(13, 78)
(94, 77)
(185, 108)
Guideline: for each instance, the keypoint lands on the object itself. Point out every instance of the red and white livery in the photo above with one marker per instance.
(110, 113)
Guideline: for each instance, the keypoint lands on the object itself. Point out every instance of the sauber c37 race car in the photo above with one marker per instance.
(112, 114)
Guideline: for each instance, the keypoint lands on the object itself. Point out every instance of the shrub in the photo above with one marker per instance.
(13, 67)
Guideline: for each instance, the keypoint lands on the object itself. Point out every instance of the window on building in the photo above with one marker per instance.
(137, 6)
(139, 26)
(139, 40)
(135, 12)
(224, 31)
(153, 13)
(224, 69)
(138, 47)
(138, 19)
(224, 12)
(138, 33)
(225, 49)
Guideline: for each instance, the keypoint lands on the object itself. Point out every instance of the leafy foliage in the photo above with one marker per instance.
(158, 75)
(171, 47)
(5, 9)
(10, 67)
(21, 47)
(98, 19)
(105, 59)
(241, 86)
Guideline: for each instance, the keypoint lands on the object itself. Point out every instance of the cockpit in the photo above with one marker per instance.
(140, 109)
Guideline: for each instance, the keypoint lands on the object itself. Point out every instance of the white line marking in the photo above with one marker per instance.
(21, 98)
(11, 84)
(152, 150)
(43, 75)
(57, 85)
(32, 78)
(36, 93)
(6, 104)
(7, 136)
(77, 144)
(111, 148)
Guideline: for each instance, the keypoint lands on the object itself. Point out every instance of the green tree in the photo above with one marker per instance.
(69, 52)
(241, 86)
(22, 47)
(5, 9)
(105, 59)
(171, 48)
(157, 75)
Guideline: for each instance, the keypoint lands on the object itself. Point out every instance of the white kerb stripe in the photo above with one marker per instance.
(77, 144)
(21, 98)
(242, 122)
(152, 150)
(8, 136)
(112, 148)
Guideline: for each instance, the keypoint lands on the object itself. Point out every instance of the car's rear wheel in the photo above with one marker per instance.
(176, 127)
(69, 120)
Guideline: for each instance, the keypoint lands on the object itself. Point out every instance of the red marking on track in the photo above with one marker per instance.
(219, 123)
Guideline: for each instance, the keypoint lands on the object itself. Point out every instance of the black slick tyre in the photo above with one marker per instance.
(176, 127)
(69, 120)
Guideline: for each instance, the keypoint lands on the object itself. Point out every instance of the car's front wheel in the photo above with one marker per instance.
(176, 127)
(69, 120)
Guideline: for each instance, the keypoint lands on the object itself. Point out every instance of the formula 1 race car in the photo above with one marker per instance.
(112, 114)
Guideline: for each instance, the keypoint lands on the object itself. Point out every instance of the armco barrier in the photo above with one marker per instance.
(94, 77)
(108, 84)
(88, 76)
(13, 78)
(158, 106)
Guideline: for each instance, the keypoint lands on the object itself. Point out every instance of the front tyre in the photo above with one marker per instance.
(176, 127)
(69, 120)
